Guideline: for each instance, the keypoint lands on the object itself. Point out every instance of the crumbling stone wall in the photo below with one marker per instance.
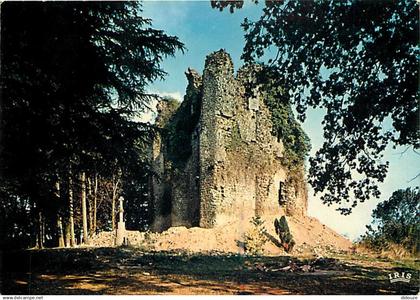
(234, 170)
(159, 190)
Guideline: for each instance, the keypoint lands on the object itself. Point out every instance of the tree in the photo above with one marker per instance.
(282, 229)
(256, 237)
(73, 76)
(232, 4)
(60, 233)
(357, 60)
(70, 237)
(93, 203)
(396, 221)
(84, 208)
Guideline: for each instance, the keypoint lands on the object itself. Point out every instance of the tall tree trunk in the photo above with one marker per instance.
(40, 233)
(116, 180)
(67, 237)
(84, 209)
(115, 184)
(34, 226)
(72, 241)
(90, 204)
(113, 210)
(60, 234)
(43, 230)
(95, 198)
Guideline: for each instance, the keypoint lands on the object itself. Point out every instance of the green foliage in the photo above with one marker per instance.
(73, 76)
(283, 231)
(358, 62)
(395, 221)
(232, 4)
(285, 127)
(256, 237)
(235, 139)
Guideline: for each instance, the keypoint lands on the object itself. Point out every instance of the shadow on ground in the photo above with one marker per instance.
(126, 271)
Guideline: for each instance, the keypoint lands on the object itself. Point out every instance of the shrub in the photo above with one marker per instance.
(395, 228)
(285, 126)
(283, 231)
(256, 237)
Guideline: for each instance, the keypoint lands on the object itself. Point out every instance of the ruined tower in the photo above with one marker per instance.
(216, 159)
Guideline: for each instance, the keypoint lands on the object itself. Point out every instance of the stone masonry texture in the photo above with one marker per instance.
(232, 168)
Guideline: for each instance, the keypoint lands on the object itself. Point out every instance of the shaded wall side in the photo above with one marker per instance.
(159, 193)
(207, 140)
(185, 191)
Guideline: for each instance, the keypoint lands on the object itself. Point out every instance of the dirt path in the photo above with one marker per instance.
(130, 271)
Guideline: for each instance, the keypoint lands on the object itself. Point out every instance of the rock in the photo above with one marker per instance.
(306, 268)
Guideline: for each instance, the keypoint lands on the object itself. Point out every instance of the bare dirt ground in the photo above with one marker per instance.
(311, 237)
(125, 271)
(206, 261)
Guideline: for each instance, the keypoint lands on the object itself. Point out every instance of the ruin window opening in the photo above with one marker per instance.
(282, 199)
(166, 204)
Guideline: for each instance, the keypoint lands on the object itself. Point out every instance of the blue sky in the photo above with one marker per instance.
(204, 30)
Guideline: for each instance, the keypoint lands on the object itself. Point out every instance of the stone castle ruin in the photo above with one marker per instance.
(215, 159)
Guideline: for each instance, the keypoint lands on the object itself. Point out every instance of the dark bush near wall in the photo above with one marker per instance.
(283, 231)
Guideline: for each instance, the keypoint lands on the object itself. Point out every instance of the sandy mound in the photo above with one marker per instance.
(310, 235)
